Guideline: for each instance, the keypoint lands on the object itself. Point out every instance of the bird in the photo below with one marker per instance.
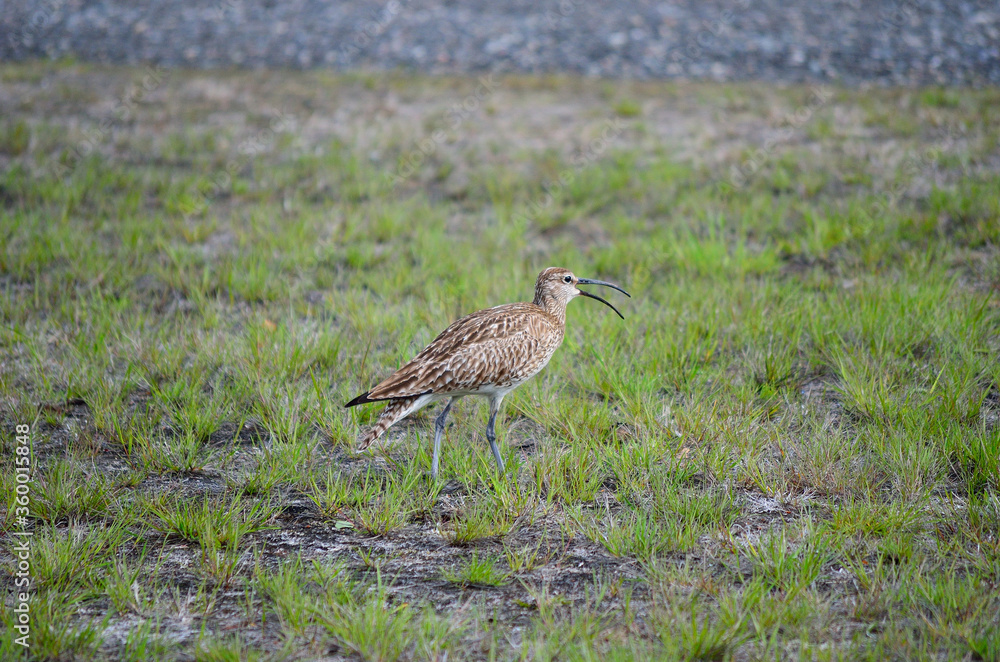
(488, 354)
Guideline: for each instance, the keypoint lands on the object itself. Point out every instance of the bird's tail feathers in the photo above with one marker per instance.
(395, 411)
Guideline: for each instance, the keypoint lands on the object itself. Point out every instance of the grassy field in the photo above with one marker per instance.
(790, 449)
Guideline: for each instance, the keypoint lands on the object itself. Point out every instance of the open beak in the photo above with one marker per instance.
(588, 281)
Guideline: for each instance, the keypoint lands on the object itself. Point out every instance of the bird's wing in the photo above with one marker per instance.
(488, 346)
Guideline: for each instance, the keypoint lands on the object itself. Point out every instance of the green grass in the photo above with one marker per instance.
(789, 449)
(476, 571)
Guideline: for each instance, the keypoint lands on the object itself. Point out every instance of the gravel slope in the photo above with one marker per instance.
(889, 42)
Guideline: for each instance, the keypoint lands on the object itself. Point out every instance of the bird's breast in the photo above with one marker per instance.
(517, 363)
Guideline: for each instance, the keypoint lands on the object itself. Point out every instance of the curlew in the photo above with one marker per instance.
(488, 353)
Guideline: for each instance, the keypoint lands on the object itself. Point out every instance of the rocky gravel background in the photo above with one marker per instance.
(909, 42)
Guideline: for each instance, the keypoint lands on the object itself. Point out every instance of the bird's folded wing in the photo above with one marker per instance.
(479, 349)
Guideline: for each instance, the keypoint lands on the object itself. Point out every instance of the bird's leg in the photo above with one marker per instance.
(491, 434)
(438, 431)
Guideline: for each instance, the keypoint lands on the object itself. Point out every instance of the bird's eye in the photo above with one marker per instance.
(567, 279)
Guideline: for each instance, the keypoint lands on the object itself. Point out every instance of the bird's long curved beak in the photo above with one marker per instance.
(588, 281)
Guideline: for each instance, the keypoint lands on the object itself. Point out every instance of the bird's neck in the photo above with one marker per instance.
(554, 307)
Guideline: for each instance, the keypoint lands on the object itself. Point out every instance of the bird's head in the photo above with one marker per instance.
(556, 287)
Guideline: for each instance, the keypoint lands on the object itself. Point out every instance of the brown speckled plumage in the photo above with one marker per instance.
(487, 353)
